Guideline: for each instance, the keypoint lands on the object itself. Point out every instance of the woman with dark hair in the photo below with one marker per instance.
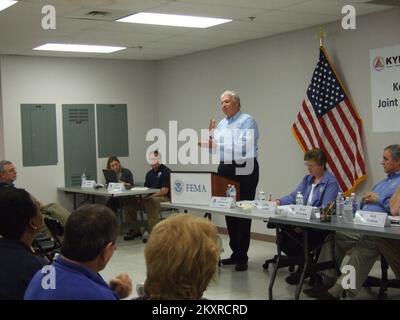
(20, 219)
(123, 175)
(319, 188)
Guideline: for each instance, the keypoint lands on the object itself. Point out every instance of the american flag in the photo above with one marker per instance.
(327, 120)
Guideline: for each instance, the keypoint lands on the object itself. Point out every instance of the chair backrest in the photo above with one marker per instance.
(56, 229)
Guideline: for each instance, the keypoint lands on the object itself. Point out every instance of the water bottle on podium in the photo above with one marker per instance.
(233, 194)
(228, 191)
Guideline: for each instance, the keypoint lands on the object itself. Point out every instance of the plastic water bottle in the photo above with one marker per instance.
(339, 204)
(348, 210)
(299, 199)
(261, 195)
(233, 194)
(83, 178)
(353, 203)
(228, 191)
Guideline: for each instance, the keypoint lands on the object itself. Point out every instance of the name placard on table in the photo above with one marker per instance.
(302, 212)
(370, 218)
(116, 187)
(88, 184)
(222, 202)
(267, 207)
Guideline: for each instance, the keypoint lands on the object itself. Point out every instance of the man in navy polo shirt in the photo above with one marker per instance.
(158, 178)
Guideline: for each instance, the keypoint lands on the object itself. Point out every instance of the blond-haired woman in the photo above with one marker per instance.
(181, 255)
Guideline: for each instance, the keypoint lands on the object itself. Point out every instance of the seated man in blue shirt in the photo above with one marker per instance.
(88, 245)
(365, 248)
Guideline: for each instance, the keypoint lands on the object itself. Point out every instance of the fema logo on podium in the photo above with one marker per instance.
(178, 186)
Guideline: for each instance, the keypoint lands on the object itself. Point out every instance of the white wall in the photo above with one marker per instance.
(61, 81)
(271, 75)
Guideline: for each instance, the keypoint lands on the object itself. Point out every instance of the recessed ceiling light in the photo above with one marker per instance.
(4, 4)
(78, 48)
(173, 20)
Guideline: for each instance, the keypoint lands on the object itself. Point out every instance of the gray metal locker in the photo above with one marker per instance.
(112, 130)
(39, 134)
(79, 143)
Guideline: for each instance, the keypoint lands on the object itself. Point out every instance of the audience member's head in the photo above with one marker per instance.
(8, 173)
(90, 235)
(19, 214)
(181, 257)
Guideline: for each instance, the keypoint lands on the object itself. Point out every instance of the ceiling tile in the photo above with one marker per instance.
(333, 7)
(259, 4)
(160, 42)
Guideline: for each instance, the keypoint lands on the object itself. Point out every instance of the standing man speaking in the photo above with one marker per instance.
(235, 141)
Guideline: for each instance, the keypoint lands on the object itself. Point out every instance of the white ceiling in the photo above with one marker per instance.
(20, 24)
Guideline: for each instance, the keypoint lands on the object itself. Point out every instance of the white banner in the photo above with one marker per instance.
(385, 88)
(191, 188)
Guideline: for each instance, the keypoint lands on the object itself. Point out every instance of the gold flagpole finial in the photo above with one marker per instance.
(321, 36)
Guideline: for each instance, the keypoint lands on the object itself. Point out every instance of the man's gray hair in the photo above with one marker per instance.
(232, 94)
(4, 163)
(394, 150)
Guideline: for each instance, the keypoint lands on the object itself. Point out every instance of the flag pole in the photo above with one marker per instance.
(321, 35)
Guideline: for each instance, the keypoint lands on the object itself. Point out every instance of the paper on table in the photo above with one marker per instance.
(245, 204)
(285, 209)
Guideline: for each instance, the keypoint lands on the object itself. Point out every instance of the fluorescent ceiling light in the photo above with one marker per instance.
(78, 48)
(4, 4)
(173, 20)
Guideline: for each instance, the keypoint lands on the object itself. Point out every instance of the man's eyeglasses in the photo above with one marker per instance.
(309, 165)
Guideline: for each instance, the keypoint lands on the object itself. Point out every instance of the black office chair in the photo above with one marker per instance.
(383, 283)
(307, 262)
(56, 229)
(285, 260)
(47, 246)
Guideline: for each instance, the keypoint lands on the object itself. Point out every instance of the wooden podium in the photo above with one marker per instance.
(197, 187)
(220, 183)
